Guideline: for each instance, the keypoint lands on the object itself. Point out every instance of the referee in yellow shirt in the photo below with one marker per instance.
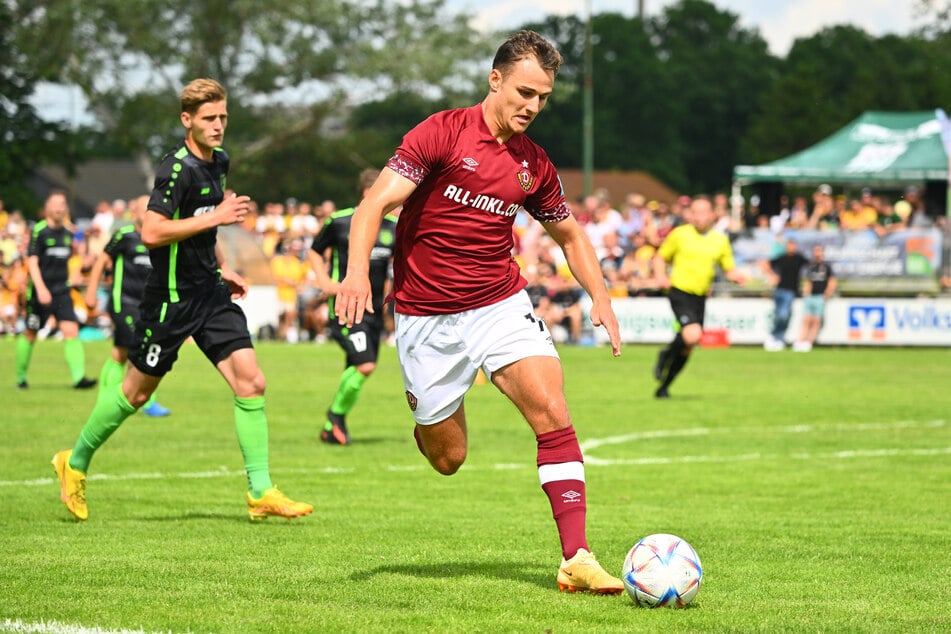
(693, 249)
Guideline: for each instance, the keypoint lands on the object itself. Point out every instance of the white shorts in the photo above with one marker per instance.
(440, 355)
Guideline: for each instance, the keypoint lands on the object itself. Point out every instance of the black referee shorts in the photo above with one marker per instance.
(688, 308)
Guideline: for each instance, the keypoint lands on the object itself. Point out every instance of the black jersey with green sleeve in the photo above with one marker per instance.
(335, 235)
(52, 248)
(131, 266)
(186, 186)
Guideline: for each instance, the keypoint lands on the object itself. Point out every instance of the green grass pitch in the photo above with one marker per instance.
(815, 487)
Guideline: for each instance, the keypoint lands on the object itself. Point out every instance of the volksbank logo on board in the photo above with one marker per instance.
(869, 322)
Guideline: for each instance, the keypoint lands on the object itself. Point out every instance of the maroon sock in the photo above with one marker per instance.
(419, 442)
(561, 472)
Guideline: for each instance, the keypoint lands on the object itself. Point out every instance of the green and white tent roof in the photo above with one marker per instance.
(877, 148)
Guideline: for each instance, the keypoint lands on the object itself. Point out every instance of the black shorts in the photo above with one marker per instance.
(216, 323)
(123, 325)
(361, 342)
(60, 307)
(688, 308)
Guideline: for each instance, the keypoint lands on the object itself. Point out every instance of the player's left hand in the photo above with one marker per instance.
(239, 288)
(603, 315)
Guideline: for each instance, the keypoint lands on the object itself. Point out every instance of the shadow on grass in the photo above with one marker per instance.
(504, 570)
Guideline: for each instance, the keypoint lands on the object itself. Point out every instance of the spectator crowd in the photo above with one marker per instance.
(625, 234)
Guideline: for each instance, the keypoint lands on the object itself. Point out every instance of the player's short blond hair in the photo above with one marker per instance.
(201, 91)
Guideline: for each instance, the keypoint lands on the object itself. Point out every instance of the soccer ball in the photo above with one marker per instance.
(662, 571)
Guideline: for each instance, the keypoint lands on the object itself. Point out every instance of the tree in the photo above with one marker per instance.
(288, 66)
(720, 71)
(25, 138)
(632, 122)
(672, 96)
(832, 77)
(939, 14)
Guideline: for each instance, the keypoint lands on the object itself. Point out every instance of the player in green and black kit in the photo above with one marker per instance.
(360, 342)
(48, 292)
(189, 294)
(131, 265)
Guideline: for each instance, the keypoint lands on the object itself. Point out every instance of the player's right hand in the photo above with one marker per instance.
(354, 297)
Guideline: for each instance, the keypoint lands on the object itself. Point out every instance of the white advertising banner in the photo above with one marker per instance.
(848, 321)
(260, 307)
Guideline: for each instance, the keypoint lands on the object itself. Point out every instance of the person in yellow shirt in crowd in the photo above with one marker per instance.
(289, 272)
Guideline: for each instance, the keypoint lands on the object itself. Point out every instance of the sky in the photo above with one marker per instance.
(780, 22)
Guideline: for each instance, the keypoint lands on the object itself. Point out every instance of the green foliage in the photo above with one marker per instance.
(25, 138)
(814, 97)
(283, 62)
(332, 85)
(814, 487)
(671, 96)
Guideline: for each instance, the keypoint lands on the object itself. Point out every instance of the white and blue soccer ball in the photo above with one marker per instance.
(662, 570)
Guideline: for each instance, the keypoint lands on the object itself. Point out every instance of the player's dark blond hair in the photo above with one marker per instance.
(201, 91)
(366, 179)
(526, 43)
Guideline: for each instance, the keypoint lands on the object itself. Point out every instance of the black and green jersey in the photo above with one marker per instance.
(131, 266)
(186, 186)
(53, 248)
(335, 234)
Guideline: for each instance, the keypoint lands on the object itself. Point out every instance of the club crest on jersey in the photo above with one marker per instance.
(411, 399)
(525, 179)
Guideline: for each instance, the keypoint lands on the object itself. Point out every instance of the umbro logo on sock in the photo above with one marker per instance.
(571, 496)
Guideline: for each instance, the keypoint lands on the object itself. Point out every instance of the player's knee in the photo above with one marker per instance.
(449, 462)
(258, 384)
(251, 385)
(138, 398)
(366, 369)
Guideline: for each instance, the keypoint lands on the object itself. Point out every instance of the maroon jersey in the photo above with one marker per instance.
(454, 238)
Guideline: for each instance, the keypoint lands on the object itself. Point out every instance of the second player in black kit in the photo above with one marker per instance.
(361, 342)
(131, 265)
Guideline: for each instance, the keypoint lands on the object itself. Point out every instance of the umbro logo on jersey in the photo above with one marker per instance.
(470, 164)
(571, 496)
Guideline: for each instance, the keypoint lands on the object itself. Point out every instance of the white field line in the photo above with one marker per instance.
(55, 627)
(588, 447)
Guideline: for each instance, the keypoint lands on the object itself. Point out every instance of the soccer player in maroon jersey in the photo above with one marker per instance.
(461, 175)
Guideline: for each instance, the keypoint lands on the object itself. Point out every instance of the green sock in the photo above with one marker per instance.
(105, 418)
(23, 354)
(348, 391)
(111, 374)
(75, 359)
(251, 425)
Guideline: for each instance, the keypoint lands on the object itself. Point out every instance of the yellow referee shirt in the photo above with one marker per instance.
(694, 256)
